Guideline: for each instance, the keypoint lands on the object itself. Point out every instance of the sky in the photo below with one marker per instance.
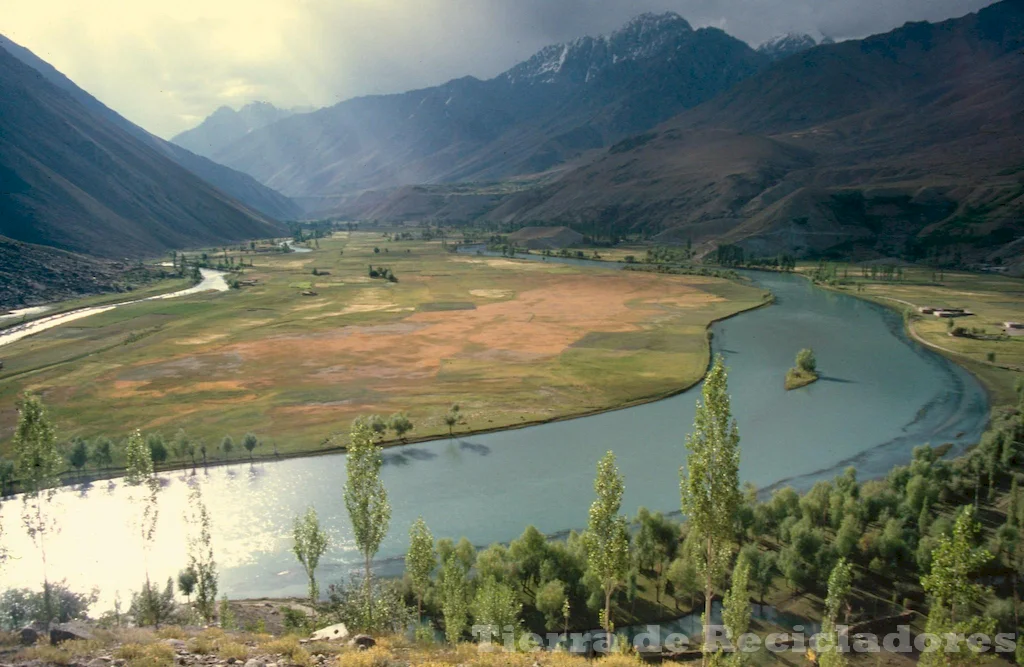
(166, 65)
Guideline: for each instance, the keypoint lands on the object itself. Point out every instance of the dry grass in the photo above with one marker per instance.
(146, 655)
(227, 650)
(67, 653)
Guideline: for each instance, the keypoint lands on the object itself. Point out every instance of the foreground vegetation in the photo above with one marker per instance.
(311, 340)
(938, 543)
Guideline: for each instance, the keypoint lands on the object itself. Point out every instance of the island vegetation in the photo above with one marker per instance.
(805, 372)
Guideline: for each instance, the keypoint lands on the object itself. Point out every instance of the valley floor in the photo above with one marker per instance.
(296, 356)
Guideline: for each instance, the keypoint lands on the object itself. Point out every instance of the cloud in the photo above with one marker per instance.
(166, 65)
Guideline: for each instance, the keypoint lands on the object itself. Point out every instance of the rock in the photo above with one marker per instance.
(253, 662)
(28, 636)
(98, 662)
(362, 642)
(336, 632)
(68, 632)
(178, 645)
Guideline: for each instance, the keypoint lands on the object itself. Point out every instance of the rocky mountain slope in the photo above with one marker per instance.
(565, 101)
(73, 180)
(225, 125)
(234, 183)
(907, 143)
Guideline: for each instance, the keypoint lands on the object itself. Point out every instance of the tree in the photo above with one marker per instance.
(805, 360)
(655, 545)
(378, 425)
(710, 486)
(200, 554)
(38, 463)
(187, 584)
(420, 561)
(102, 454)
(78, 457)
(607, 537)
(226, 446)
(145, 485)
(310, 544)
(682, 574)
(451, 418)
(454, 606)
(839, 583)
(250, 442)
(365, 496)
(496, 606)
(400, 424)
(736, 612)
(551, 601)
(157, 448)
(762, 569)
(953, 563)
(150, 606)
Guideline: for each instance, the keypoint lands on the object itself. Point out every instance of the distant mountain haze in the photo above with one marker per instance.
(236, 184)
(225, 125)
(567, 100)
(74, 179)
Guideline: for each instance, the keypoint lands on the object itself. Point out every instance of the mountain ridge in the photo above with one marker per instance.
(564, 101)
(72, 180)
(232, 182)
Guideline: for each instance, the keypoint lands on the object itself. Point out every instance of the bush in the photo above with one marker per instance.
(385, 611)
(805, 360)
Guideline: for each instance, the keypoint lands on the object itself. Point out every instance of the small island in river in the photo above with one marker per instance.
(805, 372)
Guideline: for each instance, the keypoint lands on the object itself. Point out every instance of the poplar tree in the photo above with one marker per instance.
(38, 464)
(200, 555)
(144, 485)
(420, 561)
(365, 496)
(710, 485)
(736, 612)
(607, 537)
(310, 543)
(839, 582)
(454, 605)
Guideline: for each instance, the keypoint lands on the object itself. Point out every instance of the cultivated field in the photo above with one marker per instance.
(294, 358)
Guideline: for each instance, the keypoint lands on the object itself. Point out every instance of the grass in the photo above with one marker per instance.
(797, 377)
(993, 299)
(511, 341)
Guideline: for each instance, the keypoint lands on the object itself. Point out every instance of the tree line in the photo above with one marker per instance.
(914, 534)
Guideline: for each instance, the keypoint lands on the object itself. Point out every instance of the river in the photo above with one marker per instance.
(880, 395)
(212, 281)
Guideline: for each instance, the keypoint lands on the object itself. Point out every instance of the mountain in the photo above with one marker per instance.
(566, 101)
(789, 44)
(238, 185)
(73, 180)
(226, 125)
(908, 143)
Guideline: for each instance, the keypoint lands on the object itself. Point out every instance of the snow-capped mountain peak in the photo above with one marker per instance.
(645, 36)
(791, 43)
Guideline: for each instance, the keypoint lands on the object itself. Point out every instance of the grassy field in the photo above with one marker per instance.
(510, 341)
(992, 299)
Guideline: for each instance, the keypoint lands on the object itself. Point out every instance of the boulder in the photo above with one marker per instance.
(64, 632)
(362, 642)
(28, 635)
(98, 662)
(253, 662)
(336, 632)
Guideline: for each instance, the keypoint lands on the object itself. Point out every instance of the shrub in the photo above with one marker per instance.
(148, 655)
(229, 650)
(150, 606)
(805, 360)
